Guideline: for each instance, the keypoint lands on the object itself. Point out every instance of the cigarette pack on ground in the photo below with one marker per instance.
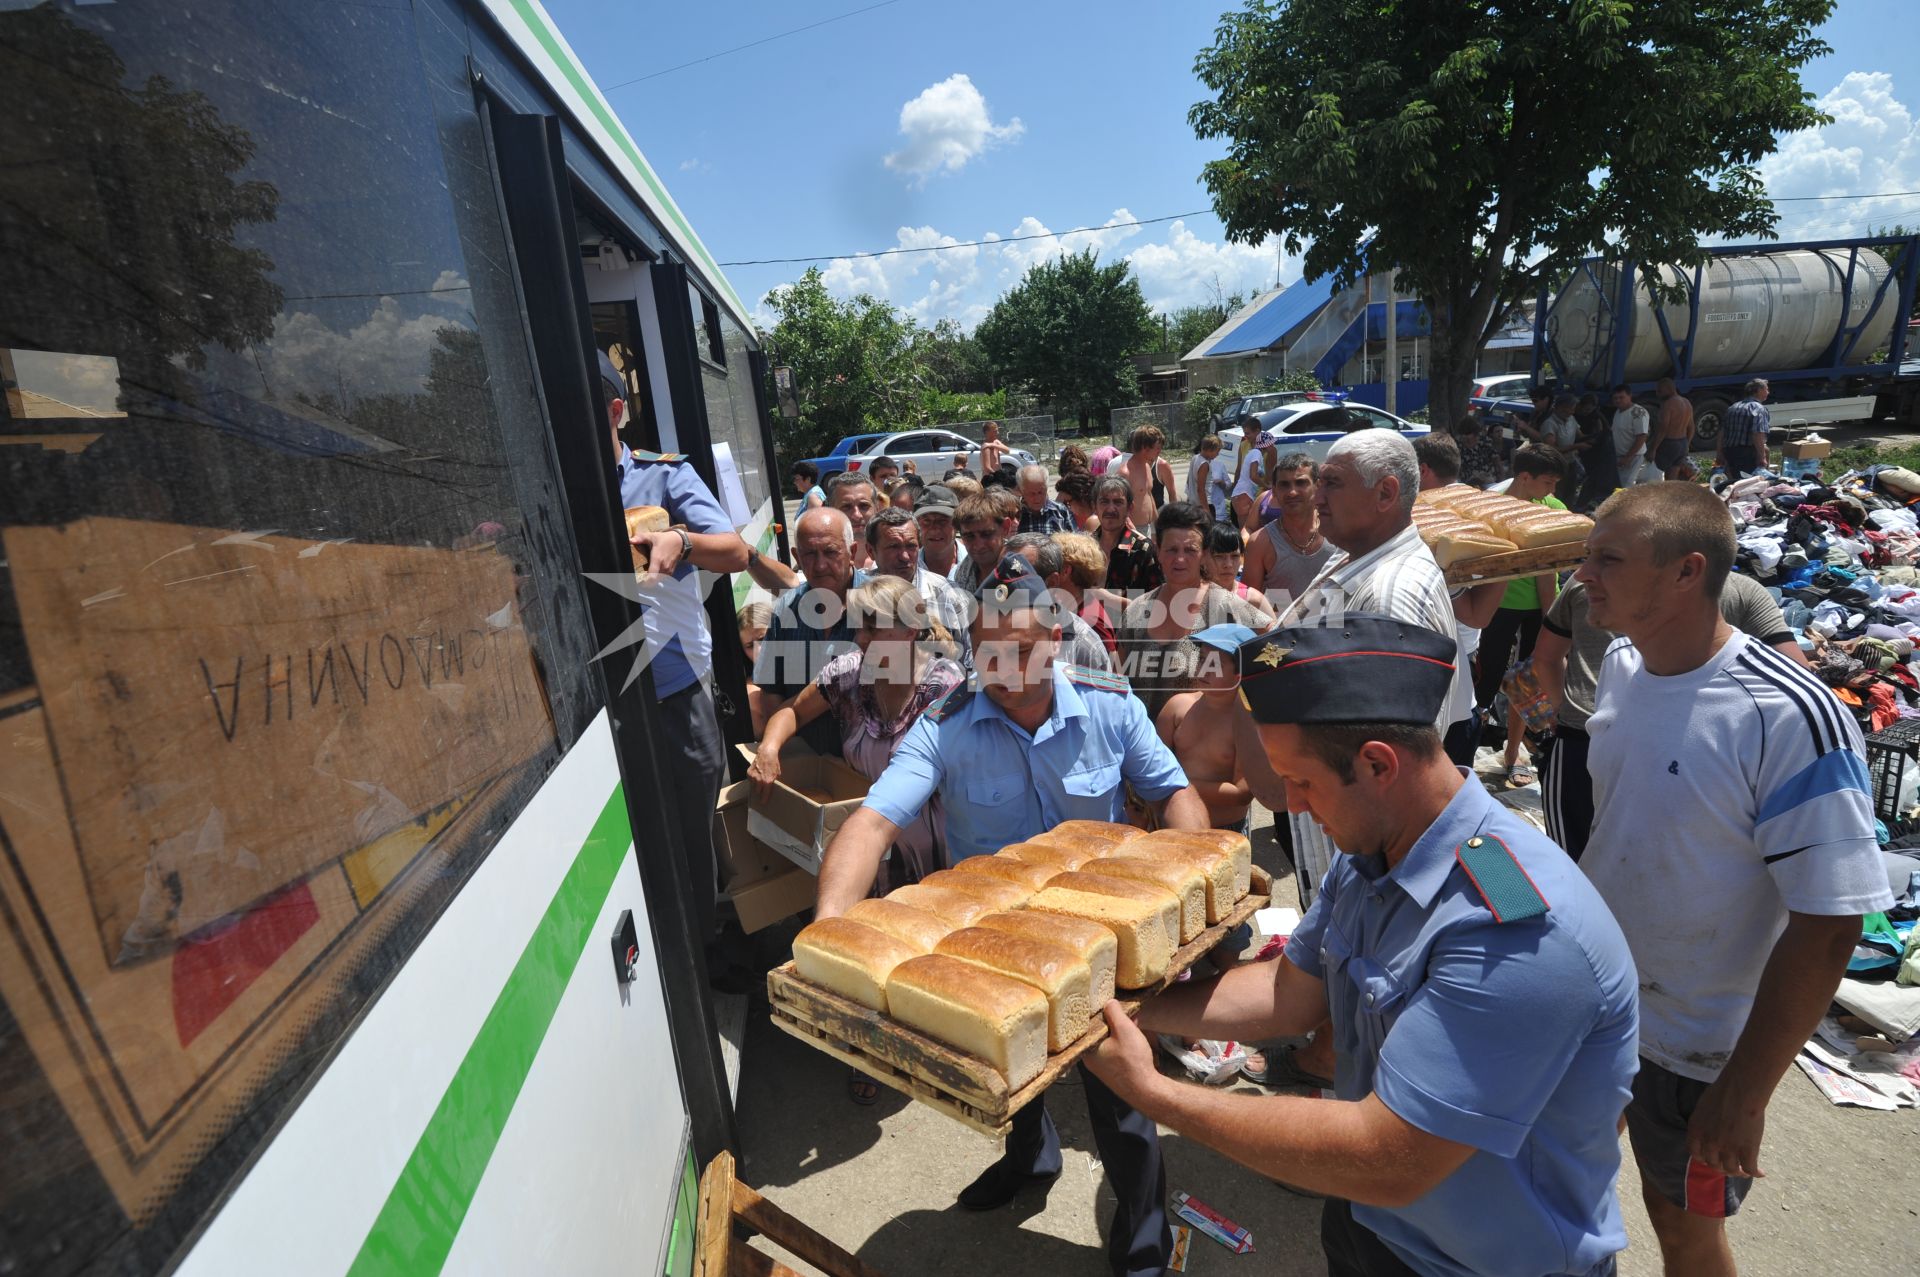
(1212, 1223)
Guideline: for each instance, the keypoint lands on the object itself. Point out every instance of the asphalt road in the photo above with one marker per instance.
(1842, 1194)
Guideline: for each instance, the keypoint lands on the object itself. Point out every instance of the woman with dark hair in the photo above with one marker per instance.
(1156, 654)
(1074, 490)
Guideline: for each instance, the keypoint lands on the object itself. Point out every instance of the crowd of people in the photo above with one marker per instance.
(1493, 1003)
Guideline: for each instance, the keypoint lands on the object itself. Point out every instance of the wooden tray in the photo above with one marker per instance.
(964, 1088)
(1517, 563)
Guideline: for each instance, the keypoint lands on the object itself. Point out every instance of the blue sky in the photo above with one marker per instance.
(920, 123)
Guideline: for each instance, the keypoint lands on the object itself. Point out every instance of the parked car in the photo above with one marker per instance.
(1234, 411)
(1506, 385)
(836, 460)
(1312, 427)
(931, 451)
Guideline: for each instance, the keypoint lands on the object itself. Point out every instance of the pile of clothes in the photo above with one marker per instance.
(1841, 558)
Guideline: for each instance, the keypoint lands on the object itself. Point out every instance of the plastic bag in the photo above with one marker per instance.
(1207, 1060)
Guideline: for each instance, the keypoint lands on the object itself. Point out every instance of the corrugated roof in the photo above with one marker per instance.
(1267, 319)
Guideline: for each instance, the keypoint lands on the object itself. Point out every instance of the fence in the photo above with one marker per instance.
(1034, 434)
(1170, 417)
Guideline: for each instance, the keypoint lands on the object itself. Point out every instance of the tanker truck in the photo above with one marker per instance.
(1827, 323)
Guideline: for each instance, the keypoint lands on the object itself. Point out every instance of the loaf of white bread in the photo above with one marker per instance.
(850, 958)
(958, 908)
(1178, 875)
(916, 927)
(1091, 942)
(983, 1013)
(644, 518)
(995, 893)
(1056, 971)
(1031, 876)
(1108, 832)
(1059, 856)
(1143, 953)
(1224, 855)
(1165, 904)
(1524, 525)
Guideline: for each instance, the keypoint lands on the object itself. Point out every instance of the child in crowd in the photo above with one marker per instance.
(1197, 725)
(906, 490)
(755, 618)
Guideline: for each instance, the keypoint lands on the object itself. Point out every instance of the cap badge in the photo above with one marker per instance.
(1271, 655)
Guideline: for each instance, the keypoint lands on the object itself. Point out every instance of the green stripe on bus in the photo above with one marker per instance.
(415, 1229)
(538, 23)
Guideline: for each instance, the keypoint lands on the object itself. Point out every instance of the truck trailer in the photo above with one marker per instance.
(1827, 323)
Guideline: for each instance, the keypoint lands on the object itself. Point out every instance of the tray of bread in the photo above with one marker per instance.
(974, 989)
(1479, 537)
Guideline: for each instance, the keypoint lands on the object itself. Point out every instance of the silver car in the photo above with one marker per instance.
(931, 451)
(1312, 427)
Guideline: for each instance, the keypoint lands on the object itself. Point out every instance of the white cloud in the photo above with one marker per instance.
(1872, 146)
(696, 165)
(1176, 267)
(386, 354)
(947, 125)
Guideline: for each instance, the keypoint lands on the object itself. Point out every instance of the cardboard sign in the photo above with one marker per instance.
(232, 711)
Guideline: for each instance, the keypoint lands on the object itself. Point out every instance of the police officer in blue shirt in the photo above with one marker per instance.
(1037, 744)
(1483, 999)
(679, 643)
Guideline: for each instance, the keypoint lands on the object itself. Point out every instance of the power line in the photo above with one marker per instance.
(1150, 221)
(753, 44)
(972, 243)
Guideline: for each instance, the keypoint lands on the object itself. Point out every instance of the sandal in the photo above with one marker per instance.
(1519, 776)
(861, 1089)
(1283, 1069)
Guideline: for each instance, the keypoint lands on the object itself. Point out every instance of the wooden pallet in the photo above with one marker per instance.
(966, 1089)
(726, 1204)
(1517, 563)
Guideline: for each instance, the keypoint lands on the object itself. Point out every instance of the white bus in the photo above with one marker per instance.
(318, 814)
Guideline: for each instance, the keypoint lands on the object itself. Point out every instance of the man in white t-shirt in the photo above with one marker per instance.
(1632, 425)
(1733, 838)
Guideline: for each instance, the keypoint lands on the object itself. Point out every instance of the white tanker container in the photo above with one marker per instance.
(1758, 313)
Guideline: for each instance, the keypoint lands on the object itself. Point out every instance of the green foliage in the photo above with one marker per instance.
(857, 365)
(954, 360)
(1187, 327)
(938, 407)
(1067, 330)
(1464, 139)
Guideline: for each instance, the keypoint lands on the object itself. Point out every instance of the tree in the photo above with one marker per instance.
(1483, 148)
(856, 366)
(1068, 329)
(954, 360)
(1188, 326)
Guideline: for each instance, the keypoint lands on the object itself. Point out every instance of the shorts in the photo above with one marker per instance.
(1669, 454)
(1657, 1116)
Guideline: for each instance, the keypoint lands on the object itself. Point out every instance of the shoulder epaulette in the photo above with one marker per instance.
(1497, 876)
(953, 700)
(658, 456)
(1102, 679)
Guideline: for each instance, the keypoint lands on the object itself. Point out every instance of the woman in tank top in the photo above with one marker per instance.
(1286, 554)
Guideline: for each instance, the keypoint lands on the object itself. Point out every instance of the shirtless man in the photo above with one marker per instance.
(1142, 468)
(1198, 727)
(1672, 429)
(992, 451)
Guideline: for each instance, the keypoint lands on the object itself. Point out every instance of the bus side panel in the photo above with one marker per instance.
(417, 1097)
(585, 1174)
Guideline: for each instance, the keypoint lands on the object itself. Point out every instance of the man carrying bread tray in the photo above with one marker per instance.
(1482, 996)
(676, 526)
(1036, 744)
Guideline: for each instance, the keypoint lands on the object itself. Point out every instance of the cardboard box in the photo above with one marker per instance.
(763, 885)
(1812, 448)
(812, 799)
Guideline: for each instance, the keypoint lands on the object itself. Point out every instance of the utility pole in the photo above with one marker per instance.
(1390, 376)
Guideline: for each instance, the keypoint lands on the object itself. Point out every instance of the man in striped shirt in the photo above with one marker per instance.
(1743, 433)
(1732, 837)
(1365, 501)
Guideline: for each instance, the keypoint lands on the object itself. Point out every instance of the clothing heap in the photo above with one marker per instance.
(1841, 560)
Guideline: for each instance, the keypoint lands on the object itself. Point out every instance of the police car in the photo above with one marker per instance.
(1312, 426)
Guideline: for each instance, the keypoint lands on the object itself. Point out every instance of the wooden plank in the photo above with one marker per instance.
(791, 1235)
(714, 1222)
(748, 1262)
(1517, 563)
(968, 1090)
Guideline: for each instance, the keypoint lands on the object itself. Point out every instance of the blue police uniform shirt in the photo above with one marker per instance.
(679, 642)
(1002, 785)
(1516, 1038)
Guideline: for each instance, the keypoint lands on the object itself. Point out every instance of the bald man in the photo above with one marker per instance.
(810, 620)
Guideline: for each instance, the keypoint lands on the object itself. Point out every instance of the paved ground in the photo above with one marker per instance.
(1843, 1196)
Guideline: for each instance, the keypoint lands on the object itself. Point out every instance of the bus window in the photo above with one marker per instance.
(271, 680)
